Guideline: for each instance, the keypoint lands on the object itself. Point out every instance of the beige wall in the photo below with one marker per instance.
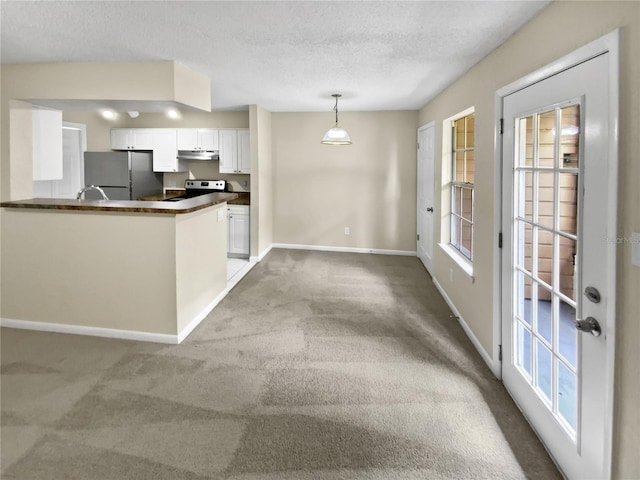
(67, 268)
(369, 186)
(558, 30)
(201, 261)
(262, 182)
(137, 272)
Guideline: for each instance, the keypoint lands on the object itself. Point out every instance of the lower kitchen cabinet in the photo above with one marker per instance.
(238, 232)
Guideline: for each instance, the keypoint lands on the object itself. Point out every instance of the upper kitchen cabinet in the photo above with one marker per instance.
(47, 144)
(197, 139)
(132, 139)
(234, 151)
(165, 150)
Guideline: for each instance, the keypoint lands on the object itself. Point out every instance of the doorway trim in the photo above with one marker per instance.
(608, 43)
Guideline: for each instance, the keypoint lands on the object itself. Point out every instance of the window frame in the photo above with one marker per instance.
(447, 191)
(457, 210)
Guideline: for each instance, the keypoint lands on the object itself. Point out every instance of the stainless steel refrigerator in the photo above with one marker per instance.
(122, 175)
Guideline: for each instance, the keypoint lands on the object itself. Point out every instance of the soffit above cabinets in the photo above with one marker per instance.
(121, 86)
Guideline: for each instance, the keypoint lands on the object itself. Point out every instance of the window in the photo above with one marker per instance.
(462, 179)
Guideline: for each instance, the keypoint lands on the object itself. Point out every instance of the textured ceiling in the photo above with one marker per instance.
(284, 56)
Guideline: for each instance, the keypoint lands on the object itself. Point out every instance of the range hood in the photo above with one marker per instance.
(198, 155)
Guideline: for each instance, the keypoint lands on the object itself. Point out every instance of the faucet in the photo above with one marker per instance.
(92, 187)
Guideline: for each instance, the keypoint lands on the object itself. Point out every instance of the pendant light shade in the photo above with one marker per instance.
(336, 135)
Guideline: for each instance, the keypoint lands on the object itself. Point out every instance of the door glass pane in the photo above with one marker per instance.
(570, 136)
(523, 349)
(566, 266)
(544, 314)
(567, 405)
(545, 256)
(524, 246)
(523, 299)
(567, 333)
(545, 199)
(526, 200)
(544, 367)
(568, 202)
(546, 138)
(525, 156)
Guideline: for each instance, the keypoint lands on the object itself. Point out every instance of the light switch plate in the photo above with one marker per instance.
(635, 249)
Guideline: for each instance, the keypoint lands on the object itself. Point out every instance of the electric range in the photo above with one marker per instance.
(195, 188)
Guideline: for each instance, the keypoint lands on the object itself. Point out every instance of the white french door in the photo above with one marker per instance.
(426, 156)
(556, 269)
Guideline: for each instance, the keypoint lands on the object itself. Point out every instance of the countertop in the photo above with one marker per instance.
(244, 198)
(129, 206)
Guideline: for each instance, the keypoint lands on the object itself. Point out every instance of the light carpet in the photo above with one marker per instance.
(317, 365)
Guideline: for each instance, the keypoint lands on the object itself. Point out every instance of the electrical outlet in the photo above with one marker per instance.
(220, 215)
(347, 231)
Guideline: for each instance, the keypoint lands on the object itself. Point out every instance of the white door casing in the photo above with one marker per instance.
(425, 207)
(580, 442)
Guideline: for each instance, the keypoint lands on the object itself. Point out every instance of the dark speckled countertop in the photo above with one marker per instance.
(129, 206)
(244, 198)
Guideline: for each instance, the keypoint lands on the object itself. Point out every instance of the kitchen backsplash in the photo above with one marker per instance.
(207, 170)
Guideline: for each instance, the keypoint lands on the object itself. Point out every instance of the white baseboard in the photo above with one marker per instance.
(494, 365)
(128, 334)
(262, 255)
(207, 310)
(295, 246)
(201, 316)
(90, 331)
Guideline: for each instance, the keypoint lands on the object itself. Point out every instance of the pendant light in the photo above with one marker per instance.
(336, 135)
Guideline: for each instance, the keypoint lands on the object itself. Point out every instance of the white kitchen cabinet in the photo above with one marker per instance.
(197, 139)
(47, 144)
(165, 151)
(244, 158)
(132, 139)
(234, 151)
(238, 231)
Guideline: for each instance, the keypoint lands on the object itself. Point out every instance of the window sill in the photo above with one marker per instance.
(464, 263)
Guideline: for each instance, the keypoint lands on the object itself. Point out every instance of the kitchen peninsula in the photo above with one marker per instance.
(125, 269)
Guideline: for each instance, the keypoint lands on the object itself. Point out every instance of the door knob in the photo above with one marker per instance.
(430, 209)
(590, 325)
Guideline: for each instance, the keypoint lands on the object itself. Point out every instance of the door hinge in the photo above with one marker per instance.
(500, 353)
(418, 237)
(500, 240)
(501, 126)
